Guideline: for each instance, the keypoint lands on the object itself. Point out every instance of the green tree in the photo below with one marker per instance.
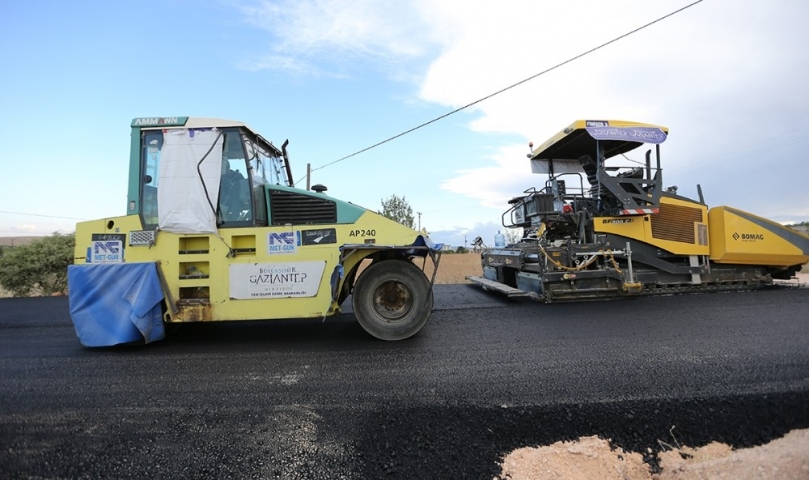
(39, 267)
(398, 210)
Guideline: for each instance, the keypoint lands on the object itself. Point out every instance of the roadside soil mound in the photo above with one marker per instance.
(592, 457)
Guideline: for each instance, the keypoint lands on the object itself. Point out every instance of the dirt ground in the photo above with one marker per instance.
(592, 457)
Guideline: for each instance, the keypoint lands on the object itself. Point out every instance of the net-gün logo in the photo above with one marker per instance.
(281, 242)
(106, 251)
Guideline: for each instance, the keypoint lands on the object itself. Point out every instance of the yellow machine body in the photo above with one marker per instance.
(204, 282)
(624, 232)
(726, 235)
(216, 230)
(743, 238)
(680, 227)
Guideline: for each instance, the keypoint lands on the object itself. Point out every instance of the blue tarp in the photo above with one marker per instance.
(424, 241)
(114, 303)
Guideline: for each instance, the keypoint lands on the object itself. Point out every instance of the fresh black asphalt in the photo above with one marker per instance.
(322, 399)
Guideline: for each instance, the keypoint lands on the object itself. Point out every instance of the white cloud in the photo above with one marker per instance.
(465, 236)
(325, 36)
(290, 65)
(494, 185)
(720, 74)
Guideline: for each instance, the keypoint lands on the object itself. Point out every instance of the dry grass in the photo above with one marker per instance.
(454, 268)
(17, 241)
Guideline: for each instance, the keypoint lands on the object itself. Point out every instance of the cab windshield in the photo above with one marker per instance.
(188, 172)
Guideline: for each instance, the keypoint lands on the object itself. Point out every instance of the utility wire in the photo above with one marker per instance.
(507, 88)
(40, 215)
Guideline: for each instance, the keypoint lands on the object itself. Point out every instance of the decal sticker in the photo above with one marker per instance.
(617, 220)
(519, 214)
(275, 280)
(153, 121)
(106, 251)
(109, 237)
(321, 236)
(281, 243)
(748, 237)
(632, 134)
(362, 233)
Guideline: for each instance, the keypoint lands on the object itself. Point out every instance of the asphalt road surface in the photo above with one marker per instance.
(312, 399)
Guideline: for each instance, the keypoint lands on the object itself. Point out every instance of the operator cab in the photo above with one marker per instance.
(193, 170)
(587, 149)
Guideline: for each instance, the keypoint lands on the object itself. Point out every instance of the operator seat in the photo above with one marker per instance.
(634, 173)
(606, 200)
(591, 170)
(234, 193)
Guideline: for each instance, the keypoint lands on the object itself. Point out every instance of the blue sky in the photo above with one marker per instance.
(729, 78)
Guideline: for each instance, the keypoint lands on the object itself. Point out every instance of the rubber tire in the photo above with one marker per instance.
(407, 306)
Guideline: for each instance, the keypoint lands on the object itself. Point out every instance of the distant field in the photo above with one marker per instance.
(454, 268)
(16, 241)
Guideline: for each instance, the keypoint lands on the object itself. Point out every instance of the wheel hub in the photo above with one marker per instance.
(392, 300)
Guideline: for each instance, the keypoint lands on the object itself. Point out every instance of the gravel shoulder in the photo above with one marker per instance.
(593, 457)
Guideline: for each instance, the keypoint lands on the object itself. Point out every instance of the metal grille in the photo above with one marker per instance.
(141, 237)
(288, 207)
(675, 223)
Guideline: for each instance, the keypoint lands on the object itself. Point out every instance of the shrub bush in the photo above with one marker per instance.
(39, 268)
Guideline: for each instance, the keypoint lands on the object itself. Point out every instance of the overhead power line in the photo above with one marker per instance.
(41, 215)
(508, 87)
